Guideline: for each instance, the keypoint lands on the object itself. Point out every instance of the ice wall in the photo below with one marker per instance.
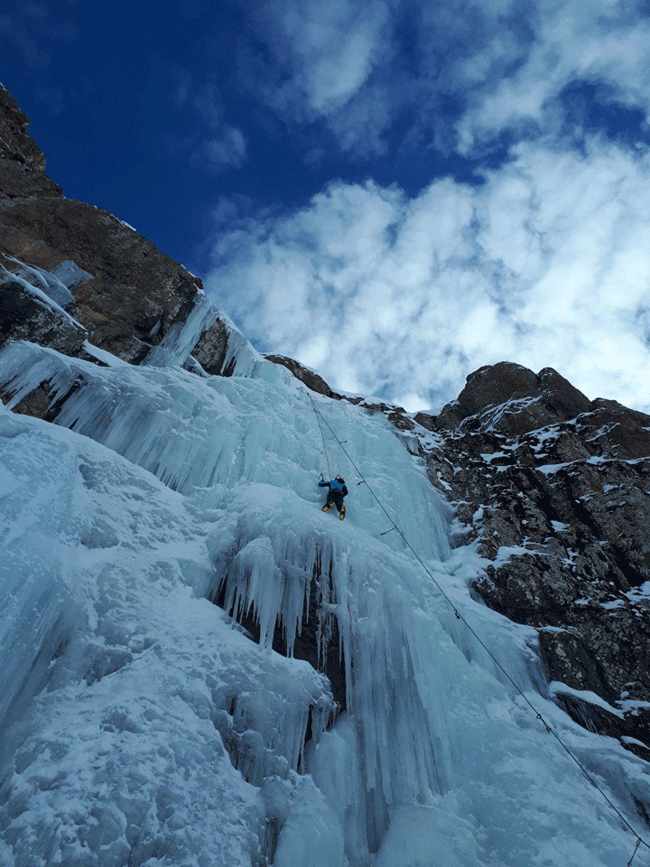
(144, 727)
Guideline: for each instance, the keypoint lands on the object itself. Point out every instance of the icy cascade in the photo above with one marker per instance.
(141, 681)
(195, 485)
(183, 336)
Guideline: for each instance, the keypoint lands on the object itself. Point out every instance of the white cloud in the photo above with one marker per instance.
(223, 151)
(214, 145)
(326, 50)
(335, 44)
(448, 75)
(601, 43)
(37, 31)
(546, 264)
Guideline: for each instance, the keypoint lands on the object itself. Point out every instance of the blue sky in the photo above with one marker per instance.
(395, 192)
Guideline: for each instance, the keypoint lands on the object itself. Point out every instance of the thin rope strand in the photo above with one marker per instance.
(318, 418)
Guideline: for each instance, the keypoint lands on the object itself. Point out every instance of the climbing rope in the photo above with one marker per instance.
(639, 840)
(318, 418)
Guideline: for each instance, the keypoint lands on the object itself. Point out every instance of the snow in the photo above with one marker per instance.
(633, 741)
(635, 593)
(126, 225)
(584, 695)
(491, 416)
(70, 274)
(50, 295)
(630, 706)
(612, 604)
(56, 284)
(428, 439)
(543, 435)
(142, 726)
(602, 431)
(491, 456)
(551, 469)
(507, 552)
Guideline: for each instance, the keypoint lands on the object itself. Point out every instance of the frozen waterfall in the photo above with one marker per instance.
(141, 724)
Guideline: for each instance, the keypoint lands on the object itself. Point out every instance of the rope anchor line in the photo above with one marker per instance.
(636, 849)
(639, 840)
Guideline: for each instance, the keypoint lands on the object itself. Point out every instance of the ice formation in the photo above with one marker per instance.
(143, 726)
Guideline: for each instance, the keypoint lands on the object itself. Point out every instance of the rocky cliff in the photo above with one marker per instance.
(555, 488)
(552, 487)
(118, 291)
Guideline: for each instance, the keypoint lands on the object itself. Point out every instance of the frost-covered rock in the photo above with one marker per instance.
(555, 489)
(127, 295)
(509, 398)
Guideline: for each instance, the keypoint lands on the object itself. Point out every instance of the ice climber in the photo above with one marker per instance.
(337, 491)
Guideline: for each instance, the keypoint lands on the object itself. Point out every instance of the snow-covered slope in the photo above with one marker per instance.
(142, 726)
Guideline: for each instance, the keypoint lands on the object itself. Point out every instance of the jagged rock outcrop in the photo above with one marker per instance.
(532, 400)
(555, 488)
(310, 378)
(22, 164)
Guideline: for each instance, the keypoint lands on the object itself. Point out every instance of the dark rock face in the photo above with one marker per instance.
(151, 291)
(529, 400)
(554, 488)
(212, 348)
(22, 163)
(311, 379)
(23, 317)
(134, 293)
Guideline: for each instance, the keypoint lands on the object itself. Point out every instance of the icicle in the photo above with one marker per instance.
(182, 337)
(44, 297)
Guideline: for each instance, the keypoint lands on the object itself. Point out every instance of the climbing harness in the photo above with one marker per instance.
(639, 840)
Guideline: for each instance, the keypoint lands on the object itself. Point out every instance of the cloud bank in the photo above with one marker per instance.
(546, 264)
(540, 259)
(448, 75)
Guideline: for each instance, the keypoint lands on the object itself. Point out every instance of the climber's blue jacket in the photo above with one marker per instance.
(335, 485)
